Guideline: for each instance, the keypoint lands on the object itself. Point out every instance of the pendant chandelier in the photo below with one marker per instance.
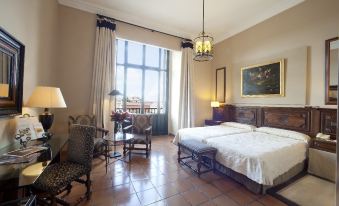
(203, 44)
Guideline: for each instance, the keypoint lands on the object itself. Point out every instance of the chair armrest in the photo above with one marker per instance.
(127, 129)
(148, 130)
(103, 131)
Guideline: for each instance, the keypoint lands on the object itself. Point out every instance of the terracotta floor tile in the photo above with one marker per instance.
(255, 203)
(159, 203)
(131, 200)
(225, 185)
(123, 190)
(224, 200)
(195, 197)
(103, 197)
(241, 196)
(177, 200)
(148, 196)
(142, 185)
(138, 176)
(166, 191)
(209, 190)
(103, 183)
(120, 179)
(268, 200)
(182, 185)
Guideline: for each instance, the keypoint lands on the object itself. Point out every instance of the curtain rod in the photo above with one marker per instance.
(152, 30)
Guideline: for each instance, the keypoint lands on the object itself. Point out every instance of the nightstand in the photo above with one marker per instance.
(211, 122)
(325, 145)
(322, 159)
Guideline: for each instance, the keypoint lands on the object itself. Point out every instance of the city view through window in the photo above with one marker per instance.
(141, 75)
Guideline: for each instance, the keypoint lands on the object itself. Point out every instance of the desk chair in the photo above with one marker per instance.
(57, 178)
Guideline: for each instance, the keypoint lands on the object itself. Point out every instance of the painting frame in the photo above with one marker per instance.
(266, 65)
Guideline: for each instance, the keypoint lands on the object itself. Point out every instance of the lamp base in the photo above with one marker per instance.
(46, 119)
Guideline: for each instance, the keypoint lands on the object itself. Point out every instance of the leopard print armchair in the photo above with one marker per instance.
(141, 128)
(57, 178)
(99, 143)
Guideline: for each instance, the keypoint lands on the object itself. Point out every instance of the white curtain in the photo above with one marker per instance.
(186, 99)
(103, 72)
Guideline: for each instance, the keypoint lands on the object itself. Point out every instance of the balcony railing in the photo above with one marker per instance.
(137, 110)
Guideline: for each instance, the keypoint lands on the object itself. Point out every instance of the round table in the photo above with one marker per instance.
(118, 139)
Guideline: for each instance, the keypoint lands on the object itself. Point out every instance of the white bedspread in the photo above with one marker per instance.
(260, 156)
(203, 133)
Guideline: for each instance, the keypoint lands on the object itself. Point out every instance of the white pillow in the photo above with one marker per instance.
(239, 125)
(284, 133)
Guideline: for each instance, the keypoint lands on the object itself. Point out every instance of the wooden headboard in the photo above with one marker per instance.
(308, 120)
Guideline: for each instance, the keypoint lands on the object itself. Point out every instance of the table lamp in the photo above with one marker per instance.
(4, 90)
(46, 97)
(218, 112)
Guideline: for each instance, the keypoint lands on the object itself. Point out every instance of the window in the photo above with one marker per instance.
(142, 76)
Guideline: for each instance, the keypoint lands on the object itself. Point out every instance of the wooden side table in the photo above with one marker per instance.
(211, 122)
(324, 145)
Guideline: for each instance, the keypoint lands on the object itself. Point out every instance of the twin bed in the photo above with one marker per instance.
(259, 158)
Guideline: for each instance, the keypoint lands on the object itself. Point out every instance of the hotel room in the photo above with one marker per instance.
(196, 102)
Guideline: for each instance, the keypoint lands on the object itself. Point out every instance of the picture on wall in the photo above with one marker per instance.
(263, 80)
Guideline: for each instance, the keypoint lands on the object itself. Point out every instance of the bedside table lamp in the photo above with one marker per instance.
(218, 112)
(46, 97)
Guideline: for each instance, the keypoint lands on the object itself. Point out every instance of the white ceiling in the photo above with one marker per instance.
(223, 18)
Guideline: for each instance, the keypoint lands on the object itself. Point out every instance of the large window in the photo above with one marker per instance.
(142, 72)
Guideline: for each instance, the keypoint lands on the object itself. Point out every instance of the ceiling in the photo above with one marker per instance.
(223, 18)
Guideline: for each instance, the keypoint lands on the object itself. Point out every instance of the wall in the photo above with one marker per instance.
(76, 51)
(307, 25)
(34, 23)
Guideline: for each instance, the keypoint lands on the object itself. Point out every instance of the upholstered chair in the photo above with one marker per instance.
(57, 178)
(99, 143)
(141, 128)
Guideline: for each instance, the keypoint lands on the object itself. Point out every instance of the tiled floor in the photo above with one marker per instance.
(160, 180)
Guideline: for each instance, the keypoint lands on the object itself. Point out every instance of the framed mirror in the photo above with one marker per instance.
(220, 90)
(331, 70)
(12, 54)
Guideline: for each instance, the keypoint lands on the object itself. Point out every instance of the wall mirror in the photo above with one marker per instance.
(11, 74)
(220, 90)
(331, 70)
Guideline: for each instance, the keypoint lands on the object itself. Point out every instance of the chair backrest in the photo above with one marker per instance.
(81, 144)
(82, 120)
(140, 122)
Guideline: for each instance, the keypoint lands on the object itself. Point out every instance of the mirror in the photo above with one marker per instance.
(11, 74)
(331, 70)
(220, 85)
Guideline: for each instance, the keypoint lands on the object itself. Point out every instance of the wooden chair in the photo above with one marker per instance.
(141, 128)
(99, 143)
(57, 178)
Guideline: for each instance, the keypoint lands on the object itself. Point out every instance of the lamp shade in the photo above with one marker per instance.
(115, 92)
(46, 97)
(4, 90)
(215, 104)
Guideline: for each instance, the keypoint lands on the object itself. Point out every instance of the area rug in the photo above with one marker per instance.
(308, 190)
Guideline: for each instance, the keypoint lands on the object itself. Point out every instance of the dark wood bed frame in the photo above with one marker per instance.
(307, 120)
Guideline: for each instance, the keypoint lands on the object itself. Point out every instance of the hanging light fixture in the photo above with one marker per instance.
(203, 44)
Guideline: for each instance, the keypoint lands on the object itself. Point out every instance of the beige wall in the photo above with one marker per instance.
(34, 24)
(307, 25)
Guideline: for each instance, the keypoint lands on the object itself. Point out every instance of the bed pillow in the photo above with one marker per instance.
(284, 133)
(239, 125)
